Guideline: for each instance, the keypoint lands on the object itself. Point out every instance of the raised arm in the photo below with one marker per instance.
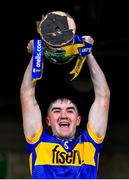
(98, 114)
(32, 120)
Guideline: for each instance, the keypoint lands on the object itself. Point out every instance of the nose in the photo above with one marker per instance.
(63, 114)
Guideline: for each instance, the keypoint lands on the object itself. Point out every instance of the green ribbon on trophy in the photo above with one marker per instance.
(80, 49)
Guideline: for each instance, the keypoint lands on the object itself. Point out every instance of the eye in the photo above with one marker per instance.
(70, 111)
(56, 111)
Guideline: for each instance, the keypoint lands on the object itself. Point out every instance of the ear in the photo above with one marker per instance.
(48, 121)
(78, 120)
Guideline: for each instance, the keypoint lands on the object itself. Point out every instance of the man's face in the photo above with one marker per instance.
(63, 118)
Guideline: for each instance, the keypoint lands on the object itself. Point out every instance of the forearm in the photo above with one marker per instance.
(98, 78)
(98, 114)
(28, 86)
(32, 120)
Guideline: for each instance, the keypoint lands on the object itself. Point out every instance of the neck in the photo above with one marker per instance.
(62, 138)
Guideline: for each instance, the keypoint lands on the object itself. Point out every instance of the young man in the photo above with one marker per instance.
(62, 155)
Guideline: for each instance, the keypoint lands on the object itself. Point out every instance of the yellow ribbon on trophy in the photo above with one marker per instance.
(78, 66)
(74, 50)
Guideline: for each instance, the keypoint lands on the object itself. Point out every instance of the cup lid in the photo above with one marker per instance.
(57, 28)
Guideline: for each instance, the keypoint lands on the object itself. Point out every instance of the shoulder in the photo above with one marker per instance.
(89, 135)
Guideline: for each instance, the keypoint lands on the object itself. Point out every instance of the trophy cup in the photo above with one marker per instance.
(57, 29)
(59, 43)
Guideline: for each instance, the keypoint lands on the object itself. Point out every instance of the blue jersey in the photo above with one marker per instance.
(53, 158)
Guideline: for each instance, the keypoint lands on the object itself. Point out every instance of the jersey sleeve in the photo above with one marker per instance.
(31, 143)
(92, 134)
(91, 137)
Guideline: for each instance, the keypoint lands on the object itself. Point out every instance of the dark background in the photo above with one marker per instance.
(107, 22)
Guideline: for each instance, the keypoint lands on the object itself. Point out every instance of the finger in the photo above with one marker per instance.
(88, 39)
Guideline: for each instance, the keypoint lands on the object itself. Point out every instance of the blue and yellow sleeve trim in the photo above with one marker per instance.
(32, 140)
(94, 136)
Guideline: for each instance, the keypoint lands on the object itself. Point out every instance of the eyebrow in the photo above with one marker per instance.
(68, 108)
(55, 108)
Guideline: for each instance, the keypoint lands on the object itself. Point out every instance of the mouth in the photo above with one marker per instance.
(64, 124)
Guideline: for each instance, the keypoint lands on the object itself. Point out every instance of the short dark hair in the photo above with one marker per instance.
(62, 99)
(73, 99)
